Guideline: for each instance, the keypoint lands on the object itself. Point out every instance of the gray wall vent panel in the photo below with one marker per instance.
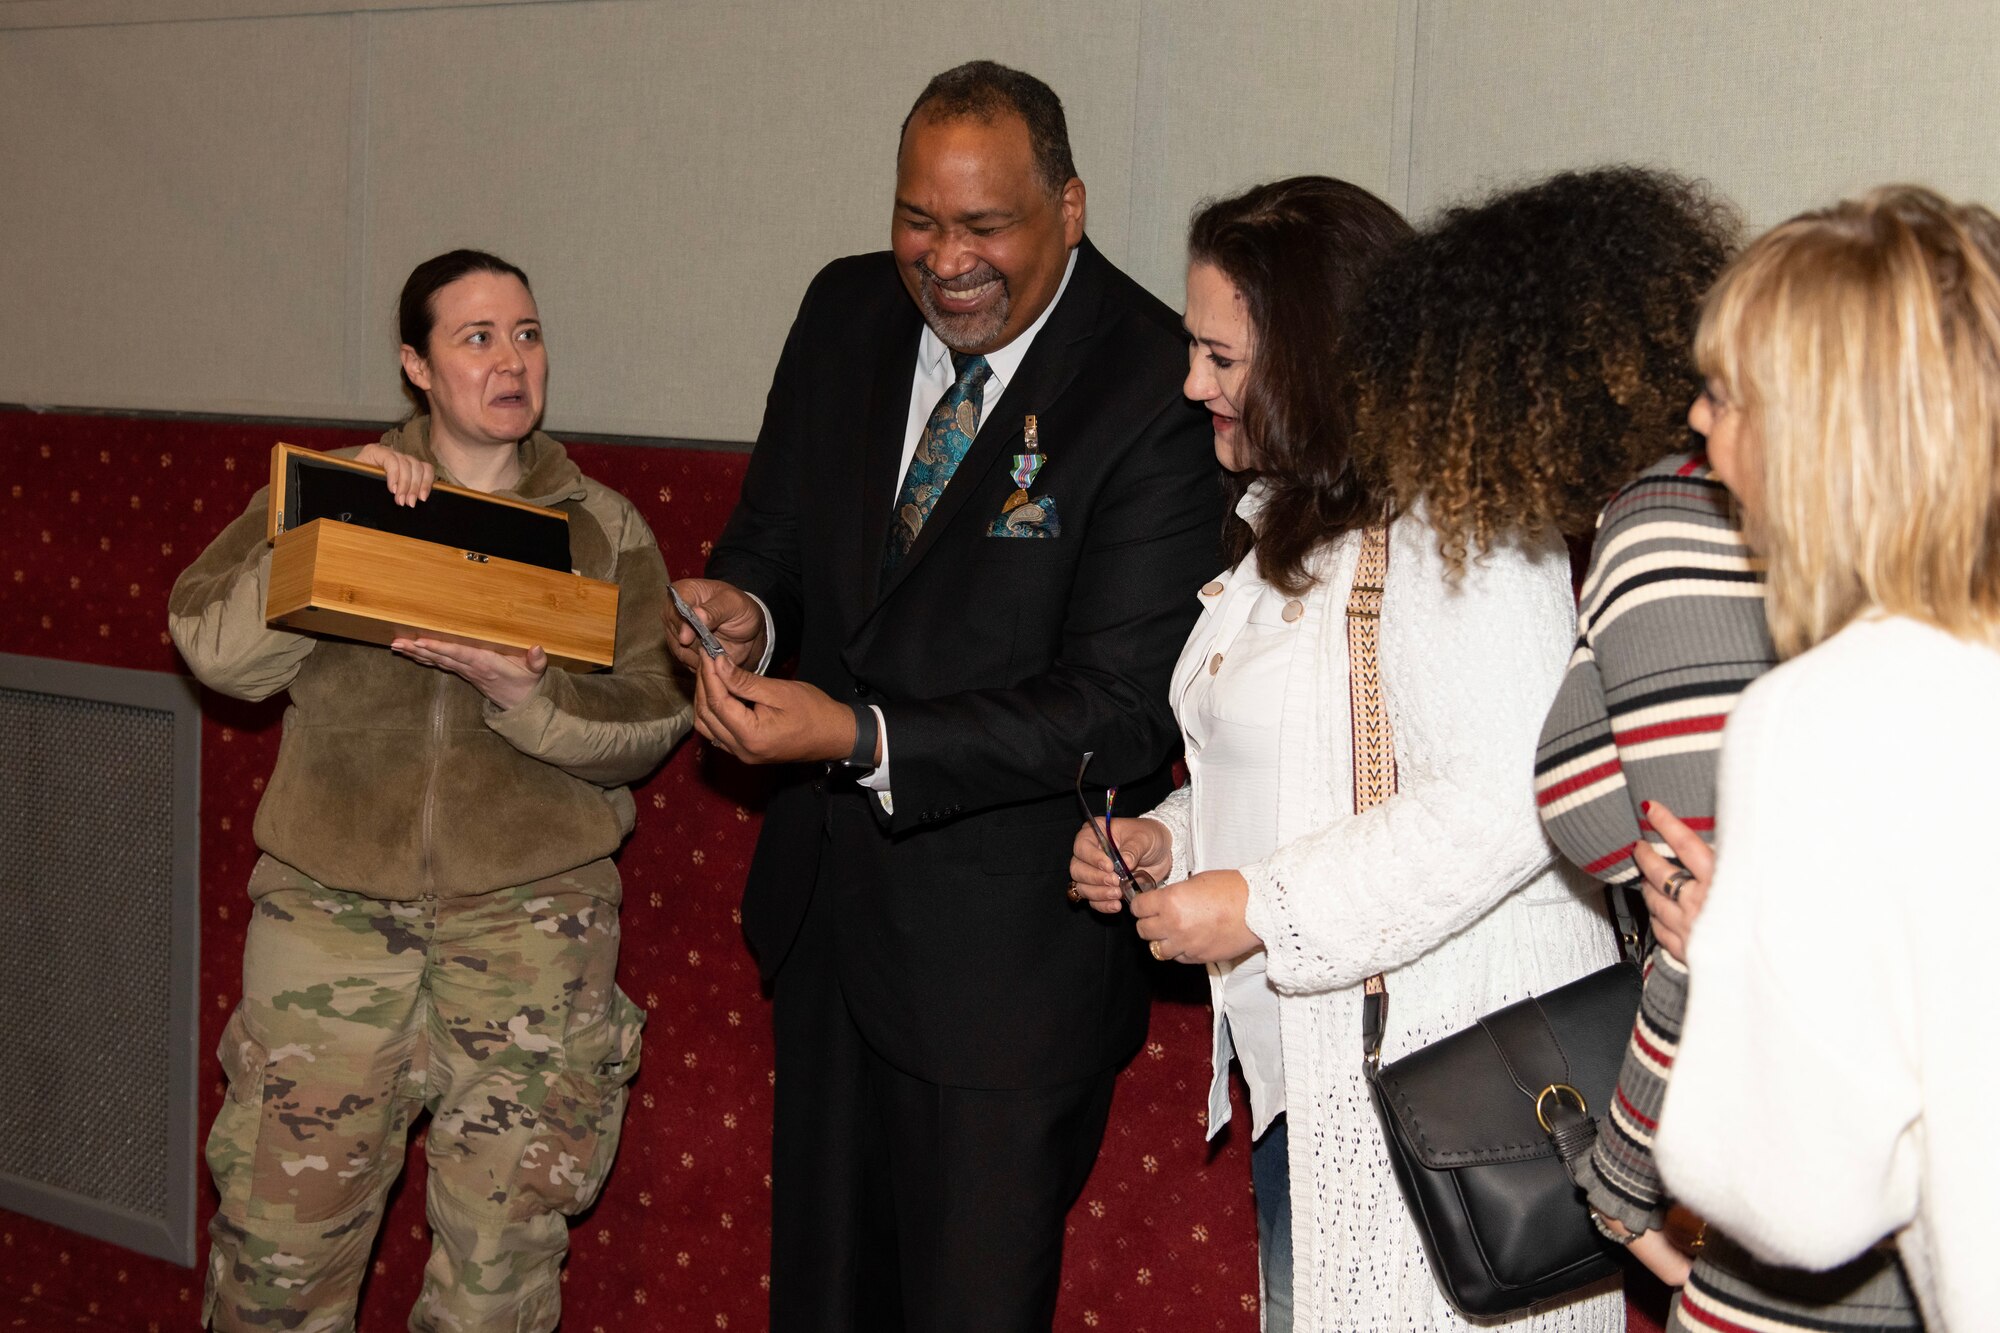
(99, 866)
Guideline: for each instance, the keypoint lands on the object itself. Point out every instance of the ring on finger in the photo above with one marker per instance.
(1677, 881)
(1075, 892)
(1153, 948)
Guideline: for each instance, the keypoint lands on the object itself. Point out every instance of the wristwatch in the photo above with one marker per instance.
(865, 731)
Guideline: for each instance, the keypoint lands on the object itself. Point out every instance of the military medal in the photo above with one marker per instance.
(1026, 465)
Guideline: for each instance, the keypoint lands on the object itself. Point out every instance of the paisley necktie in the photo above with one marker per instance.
(946, 437)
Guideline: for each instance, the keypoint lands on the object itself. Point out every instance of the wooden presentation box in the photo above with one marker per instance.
(346, 560)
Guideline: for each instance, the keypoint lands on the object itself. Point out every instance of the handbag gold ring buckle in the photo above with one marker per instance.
(1556, 1090)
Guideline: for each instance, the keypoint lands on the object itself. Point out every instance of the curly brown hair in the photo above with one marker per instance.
(1523, 358)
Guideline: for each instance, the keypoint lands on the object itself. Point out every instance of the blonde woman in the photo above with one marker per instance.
(1834, 1082)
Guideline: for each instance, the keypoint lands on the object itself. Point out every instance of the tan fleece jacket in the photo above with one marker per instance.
(400, 781)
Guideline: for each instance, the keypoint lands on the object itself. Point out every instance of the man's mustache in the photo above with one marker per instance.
(964, 282)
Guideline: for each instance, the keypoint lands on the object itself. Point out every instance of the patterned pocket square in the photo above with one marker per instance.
(1034, 517)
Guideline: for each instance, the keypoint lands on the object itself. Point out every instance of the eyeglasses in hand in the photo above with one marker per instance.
(1131, 882)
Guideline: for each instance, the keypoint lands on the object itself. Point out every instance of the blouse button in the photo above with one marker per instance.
(1211, 588)
(1294, 609)
(1215, 664)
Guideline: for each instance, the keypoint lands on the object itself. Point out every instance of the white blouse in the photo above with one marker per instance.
(1231, 684)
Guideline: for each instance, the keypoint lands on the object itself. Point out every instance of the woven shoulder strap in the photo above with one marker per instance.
(1374, 747)
(1374, 751)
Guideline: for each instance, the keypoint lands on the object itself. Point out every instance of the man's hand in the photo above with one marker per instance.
(506, 680)
(1199, 920)
(763, 721)
(727, 611)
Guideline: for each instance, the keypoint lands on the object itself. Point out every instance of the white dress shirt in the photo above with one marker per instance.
(931, 380)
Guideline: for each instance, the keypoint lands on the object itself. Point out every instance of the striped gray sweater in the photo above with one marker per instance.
(1670, 629)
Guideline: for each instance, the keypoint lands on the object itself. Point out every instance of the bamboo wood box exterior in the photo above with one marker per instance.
(353, 582)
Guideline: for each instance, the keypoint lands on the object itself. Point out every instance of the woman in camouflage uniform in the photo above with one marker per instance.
(436, 919)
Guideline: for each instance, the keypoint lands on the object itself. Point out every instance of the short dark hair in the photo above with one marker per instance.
(416, 308)
(982, 90)
(1298, 251)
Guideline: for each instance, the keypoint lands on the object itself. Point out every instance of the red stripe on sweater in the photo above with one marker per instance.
(1577, 783)
(1633, 1111)
(1660, 1056)
(1657, 488)
(1692, 466)
(1699, 823)
(1604, 863)
(1685, 726)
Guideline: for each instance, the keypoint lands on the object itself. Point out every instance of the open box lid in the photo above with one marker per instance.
(306, 485)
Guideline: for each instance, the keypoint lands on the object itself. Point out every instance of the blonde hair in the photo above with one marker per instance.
(1862, 344)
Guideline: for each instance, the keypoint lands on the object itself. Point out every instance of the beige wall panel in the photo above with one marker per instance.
(1228, 99)
(673, 176)
(171, 199)
(1784, 105)
(78, 13)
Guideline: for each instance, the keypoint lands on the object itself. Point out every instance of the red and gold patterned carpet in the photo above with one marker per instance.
(98, 514)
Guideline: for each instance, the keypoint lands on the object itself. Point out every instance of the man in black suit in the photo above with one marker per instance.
(977, 514)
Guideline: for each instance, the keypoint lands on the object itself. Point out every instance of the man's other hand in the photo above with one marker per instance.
(763, 721)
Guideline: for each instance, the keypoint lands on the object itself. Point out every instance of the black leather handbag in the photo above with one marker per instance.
(1474, 1124)
(1480, 1126)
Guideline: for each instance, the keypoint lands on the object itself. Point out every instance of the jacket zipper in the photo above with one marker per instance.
(429, 816)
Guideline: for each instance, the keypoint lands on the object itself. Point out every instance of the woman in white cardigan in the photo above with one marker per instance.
(1835, 1080)
(1450, 887)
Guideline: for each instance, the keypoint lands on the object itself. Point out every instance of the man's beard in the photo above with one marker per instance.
(963, 333)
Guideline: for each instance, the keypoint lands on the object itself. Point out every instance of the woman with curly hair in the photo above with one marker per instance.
(1523, 360)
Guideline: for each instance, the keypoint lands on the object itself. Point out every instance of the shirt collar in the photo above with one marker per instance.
(1251, 506)
(935, 357)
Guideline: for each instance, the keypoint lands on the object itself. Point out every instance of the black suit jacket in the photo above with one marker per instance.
(996, 663)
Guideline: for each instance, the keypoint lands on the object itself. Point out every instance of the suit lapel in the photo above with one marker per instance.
(1043, 375)
(881, 452)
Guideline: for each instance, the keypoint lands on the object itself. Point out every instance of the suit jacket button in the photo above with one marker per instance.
(860, 690)
(1294, 609)
(1215, 664)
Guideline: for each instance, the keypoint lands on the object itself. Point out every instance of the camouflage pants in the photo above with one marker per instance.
(500, 1015)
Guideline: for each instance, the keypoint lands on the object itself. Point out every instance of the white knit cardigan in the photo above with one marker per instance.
(1450, 887)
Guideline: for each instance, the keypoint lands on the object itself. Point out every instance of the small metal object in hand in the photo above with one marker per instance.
(1675, 883)
(709, 643)
(1131, 882)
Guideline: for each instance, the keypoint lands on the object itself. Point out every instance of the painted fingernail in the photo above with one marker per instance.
(1646, 809)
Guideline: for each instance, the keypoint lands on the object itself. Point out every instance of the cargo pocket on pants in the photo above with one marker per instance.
(577, 1131)
(232, 1140)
